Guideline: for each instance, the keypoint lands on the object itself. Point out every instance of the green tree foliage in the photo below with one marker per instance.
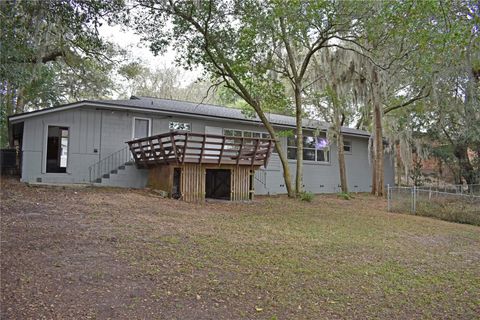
(444, 70)
(51, 53)
(166, 82)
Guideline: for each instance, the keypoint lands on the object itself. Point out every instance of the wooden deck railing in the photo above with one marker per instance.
(188, 147)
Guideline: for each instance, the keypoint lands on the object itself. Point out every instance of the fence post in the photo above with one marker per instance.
(414, 200)
(388, 198)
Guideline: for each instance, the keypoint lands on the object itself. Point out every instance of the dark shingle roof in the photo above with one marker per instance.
(190, 109)
(208, 110)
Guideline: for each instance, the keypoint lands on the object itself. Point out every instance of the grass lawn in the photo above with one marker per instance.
(111, 253)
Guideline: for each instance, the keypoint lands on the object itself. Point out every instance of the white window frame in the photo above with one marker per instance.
(327, 149)
(184, 122)
(243, 133)
(149, 126)
(351, 146)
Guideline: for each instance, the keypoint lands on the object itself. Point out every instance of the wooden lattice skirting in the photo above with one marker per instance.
(192, 182)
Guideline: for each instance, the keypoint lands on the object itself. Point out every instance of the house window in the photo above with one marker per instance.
(232, 133)
(141, 128)
(347, 146)
(180, 126)
(310, 150)
(247, 134)
(57, 149)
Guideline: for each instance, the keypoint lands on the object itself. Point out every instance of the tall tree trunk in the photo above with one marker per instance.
(378, 149)
(337, 123)
(7, 109)
(466, 169)
(282, 155)
(341, 162)
(20, 103)
(299, 124)
(286, 169)
(378, 173)
(374, 166)
(379, 163)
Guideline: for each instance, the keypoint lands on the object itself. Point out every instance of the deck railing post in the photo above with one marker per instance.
(203, 149)
(254, 155)
(185, 147)
(221, 150)
(242, 151)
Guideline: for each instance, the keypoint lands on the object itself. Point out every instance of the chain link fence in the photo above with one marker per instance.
(472, 189)
(456, 207)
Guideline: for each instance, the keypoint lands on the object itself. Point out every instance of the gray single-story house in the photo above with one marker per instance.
(86, 143)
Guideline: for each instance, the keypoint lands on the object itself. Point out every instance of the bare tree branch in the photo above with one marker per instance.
(421, 95)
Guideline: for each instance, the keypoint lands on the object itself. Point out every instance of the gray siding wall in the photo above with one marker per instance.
(107, 131)
(325, 177)
(84, 137)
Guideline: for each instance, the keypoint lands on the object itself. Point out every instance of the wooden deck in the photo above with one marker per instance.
(187, 147)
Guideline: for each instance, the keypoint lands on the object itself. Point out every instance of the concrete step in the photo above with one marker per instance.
(127, 177)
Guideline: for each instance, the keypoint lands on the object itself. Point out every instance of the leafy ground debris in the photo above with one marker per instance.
(117, 254)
